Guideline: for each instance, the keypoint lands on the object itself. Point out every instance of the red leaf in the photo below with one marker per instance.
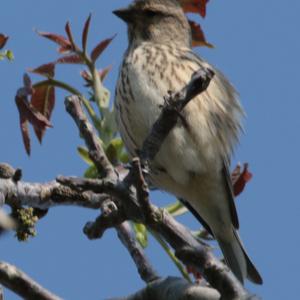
(25, 134)
(27, 83)
(58, 39)
(63, 50)
(43, 101)
(70, 36)
(47, 70)
(203, 7)
(70, 59)
(85, 32)
(198, 37)
(31, 114)
(86, 75)
(28, 113)
(3, 40)
(97, 51)
(240, 178)
(194, 6)
(103, 72)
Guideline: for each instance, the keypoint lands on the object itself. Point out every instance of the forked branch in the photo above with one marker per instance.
(126, 198)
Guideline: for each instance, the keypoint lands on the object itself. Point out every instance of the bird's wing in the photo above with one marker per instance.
(191, 56)
(226, 178)
(196, 215)
(230, 195)
(230, 198)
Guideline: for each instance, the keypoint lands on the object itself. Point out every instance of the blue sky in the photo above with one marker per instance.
(257, 47)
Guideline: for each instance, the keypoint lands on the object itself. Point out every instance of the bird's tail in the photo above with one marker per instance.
(238, 260)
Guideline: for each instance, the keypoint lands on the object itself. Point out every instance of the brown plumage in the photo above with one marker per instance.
(193, 160)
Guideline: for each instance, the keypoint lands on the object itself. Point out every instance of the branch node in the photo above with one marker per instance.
(109, 208)
(96, 229)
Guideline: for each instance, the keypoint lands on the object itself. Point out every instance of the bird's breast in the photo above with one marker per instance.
(147, 74)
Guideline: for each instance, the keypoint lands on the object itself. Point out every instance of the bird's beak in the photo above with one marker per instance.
(126, 14)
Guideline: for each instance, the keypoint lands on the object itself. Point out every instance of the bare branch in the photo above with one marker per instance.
(141, 188)
(46, 195)
(186, 247)
(22, 284)
(109, 217)
(129, 199)
(96, 152)
(128, 239)
(95, 230)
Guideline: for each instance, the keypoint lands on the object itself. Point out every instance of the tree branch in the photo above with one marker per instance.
(20, 283)
(122, 199)
(173, 232)
(96, 152)
(126, 235)
(109, 217)
(46, 195)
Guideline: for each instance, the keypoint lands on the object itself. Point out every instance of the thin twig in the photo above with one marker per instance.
(127, 236)
(91, 139)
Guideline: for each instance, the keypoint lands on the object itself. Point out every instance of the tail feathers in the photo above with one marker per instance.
(238, 260)
(252, 273)
(235, 259)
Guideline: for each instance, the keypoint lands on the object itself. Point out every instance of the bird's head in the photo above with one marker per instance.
(158, 21)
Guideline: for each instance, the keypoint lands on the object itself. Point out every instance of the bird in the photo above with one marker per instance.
(193, 161)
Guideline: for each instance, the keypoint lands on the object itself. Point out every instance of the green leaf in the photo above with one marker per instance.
(108, 125)
(176, 209)
(141, 234)
(124, 158)
(112, 154)
(109, 120)
(84, 154)
(101, 95)
(91, 172)
(10, 55)
(203, 234)
(114, 151)
(7, 54)
(117, 143)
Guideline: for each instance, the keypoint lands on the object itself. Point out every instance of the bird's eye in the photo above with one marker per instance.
(150, 13)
